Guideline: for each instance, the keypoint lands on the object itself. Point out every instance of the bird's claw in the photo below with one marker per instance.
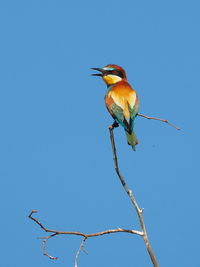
(115, 124)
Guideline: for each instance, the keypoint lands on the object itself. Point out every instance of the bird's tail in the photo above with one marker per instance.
(132, 139)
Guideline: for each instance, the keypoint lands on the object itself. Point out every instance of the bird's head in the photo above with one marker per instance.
(111, 74)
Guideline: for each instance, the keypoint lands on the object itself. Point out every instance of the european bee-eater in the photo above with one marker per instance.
(121, 100)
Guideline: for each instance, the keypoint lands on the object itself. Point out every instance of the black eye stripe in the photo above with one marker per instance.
(116, 72)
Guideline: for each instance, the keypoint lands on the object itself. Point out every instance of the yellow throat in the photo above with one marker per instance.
(111, 79)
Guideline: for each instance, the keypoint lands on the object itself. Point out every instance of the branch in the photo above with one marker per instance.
(157, 119)
(130, 194)
(139, 211)
(85, 236)
(79, 250)
(56, 232)
(45, 239)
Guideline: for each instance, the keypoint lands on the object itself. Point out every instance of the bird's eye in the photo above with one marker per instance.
(115, 72)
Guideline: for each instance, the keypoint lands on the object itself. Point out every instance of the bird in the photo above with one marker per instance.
(121, 100)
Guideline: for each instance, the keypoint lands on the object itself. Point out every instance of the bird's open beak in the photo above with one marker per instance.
(98, 74)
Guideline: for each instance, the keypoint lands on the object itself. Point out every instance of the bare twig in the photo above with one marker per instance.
(79, 250)
(130, 194)
(45, 238)
(85, 236)
(111, 231)
(157, 119)
(44, 242)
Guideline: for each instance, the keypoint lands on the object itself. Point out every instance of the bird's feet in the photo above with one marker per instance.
(114, 125)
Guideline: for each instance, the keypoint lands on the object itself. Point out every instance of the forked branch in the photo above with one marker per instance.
(130, 194)
(85, 236)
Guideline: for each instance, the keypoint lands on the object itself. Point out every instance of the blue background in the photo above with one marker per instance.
(55, 150)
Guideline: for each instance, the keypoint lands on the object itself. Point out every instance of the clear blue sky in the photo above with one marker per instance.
(55, 150)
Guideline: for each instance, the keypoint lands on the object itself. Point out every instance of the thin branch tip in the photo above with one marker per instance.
(158, 119)
(33, 211)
